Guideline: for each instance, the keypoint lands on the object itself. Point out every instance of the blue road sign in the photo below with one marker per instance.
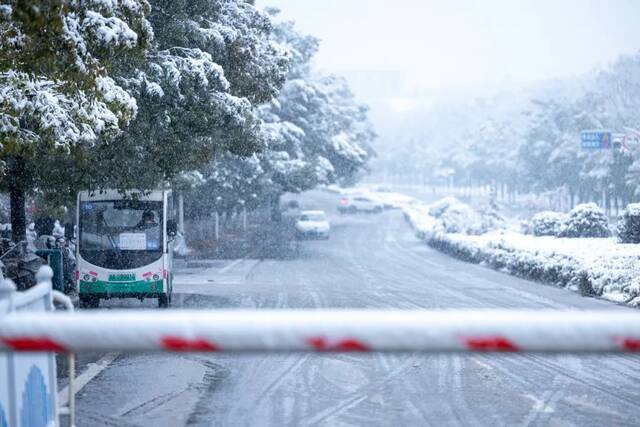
(597, 140)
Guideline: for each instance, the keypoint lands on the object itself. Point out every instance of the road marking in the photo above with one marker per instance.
(92, 371)
(230, 266)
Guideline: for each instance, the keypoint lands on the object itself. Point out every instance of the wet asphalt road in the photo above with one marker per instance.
(373, 262)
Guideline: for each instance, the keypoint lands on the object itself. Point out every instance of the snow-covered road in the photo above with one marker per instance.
(376, 262)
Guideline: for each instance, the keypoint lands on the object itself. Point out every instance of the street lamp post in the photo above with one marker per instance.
(244, 215)
(217, 219)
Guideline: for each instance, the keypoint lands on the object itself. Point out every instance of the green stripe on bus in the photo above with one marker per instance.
(100, 287)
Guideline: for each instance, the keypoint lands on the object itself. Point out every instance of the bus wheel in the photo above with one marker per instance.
(89, 302)
(163, 301)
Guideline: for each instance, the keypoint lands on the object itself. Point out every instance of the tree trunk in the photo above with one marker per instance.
(18, 216)
(17, 199)
(274, 208)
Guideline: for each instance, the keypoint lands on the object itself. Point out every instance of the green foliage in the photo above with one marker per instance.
(130, 94)
(315, 132)
(629, 225)
(57, 97)
(212, 63)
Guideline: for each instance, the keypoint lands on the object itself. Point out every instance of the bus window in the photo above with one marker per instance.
(120, 233)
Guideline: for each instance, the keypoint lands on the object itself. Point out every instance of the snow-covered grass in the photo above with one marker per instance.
(594, 266)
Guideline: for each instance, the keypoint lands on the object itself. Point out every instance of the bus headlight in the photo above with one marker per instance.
(156, 277)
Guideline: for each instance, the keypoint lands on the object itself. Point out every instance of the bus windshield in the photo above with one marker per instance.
(121, 234)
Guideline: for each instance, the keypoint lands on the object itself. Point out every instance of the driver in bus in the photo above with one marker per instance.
(148, 221)
(150, 227)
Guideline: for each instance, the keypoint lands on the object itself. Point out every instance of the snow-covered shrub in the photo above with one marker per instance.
(547, 223)
(629, 224)
(585, 220)
(460, 218)
(453, 216)
(490, 219)
(438, 208)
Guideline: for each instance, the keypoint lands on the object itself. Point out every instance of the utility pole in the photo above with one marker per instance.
(181, 213)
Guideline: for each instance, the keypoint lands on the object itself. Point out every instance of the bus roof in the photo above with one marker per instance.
(116, 195)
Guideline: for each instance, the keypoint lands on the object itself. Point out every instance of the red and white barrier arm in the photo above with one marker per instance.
(323, 330)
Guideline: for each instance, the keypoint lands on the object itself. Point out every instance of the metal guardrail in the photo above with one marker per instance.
(28, 389)
(323, 330)
(70, 407)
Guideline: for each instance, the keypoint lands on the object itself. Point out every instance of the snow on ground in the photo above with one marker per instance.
(593, 266)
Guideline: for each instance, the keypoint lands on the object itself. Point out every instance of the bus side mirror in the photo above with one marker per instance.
(68, 231)
(172, 228)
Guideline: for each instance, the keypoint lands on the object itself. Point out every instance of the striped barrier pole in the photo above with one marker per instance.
(323, 330)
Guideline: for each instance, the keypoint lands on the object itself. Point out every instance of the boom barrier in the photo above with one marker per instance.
(30, 332)
(322, 330)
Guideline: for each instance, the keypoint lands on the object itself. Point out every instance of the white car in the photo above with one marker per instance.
(353, 204)
(312, 224)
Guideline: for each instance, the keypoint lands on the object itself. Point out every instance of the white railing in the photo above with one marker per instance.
(323, 330)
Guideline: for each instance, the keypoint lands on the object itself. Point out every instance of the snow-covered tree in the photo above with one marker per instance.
(57, 96)
(316, 123)
(228, 183)
(337, 133)
(212, 63)
(608, 101)
(535, 146)
(315, 133)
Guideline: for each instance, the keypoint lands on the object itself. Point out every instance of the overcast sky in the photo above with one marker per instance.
(449, 43)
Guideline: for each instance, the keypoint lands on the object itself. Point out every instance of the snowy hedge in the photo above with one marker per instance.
(586, 220)
(547, 223)
(629, 224)
(597, 266)
(556, 269)
(453, 216)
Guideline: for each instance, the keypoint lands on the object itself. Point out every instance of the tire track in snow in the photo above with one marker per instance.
(361, 394)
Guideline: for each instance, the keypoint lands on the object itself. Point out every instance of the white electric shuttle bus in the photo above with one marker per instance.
(125, 246)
